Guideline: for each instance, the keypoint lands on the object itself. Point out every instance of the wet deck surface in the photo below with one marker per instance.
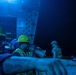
(71, 70)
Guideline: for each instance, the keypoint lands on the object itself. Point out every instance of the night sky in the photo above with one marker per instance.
(57, 21)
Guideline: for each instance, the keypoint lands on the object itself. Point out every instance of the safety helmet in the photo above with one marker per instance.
(53, 42)
(23, 38)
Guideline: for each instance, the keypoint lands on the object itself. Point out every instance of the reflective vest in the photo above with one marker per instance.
(58, 52)
(22, 53)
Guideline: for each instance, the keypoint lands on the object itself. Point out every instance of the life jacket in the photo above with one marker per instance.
(3, 57)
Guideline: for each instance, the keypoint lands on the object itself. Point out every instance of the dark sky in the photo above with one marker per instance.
(57, 21)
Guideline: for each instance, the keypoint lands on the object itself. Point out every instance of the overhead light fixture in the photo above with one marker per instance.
(10, 1)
